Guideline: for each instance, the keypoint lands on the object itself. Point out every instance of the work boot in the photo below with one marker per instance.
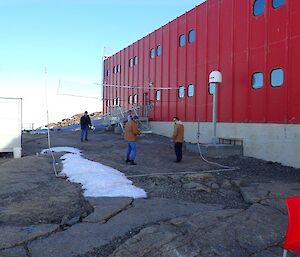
(132, 162)
(127, 161)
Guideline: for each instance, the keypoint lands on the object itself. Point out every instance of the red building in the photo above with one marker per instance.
(256, 46)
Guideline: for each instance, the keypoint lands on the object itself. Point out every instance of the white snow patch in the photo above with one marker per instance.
(96, 178)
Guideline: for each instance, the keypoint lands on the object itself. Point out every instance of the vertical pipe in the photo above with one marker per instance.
(214, 118)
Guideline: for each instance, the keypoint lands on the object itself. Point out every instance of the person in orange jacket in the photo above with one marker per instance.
(130, 135)
(178, 138)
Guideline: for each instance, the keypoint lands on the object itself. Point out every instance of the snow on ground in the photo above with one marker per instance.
(96, 178)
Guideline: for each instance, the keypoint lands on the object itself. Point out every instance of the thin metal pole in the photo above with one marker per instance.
(47, 111)
(214, 118)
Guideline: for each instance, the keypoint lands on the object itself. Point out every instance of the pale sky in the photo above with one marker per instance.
(68, 37)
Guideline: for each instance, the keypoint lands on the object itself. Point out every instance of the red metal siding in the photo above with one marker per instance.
(229, 38)
(201, 87)
(240, 61)
(165, 71)
(173, 69)
(190, 102)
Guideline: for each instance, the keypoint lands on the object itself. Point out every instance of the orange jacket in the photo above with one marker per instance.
(131, 131)
(178, 134)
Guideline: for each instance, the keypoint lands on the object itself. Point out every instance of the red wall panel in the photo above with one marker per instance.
(181, 65)
(190, 102)
(201, 89)
(165, 71)
(229, 38)
(213, 47)
(240, 60)
(173, 69)
(226, 61)
(158, 72)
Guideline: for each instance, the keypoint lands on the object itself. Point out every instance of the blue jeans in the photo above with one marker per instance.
(131, 147)
(84, 133)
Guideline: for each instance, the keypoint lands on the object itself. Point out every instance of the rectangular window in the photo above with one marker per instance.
(130, 62)
(152, 53)
(277, 3)
(181, 40)
(158, 50)
(191, 90)
(181, 92)
(258, 7)
(192, 36)
(277, 77)
(257, 80)
(135, 99)
(157, 95)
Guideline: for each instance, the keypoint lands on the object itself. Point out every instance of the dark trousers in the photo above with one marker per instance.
(178, 151)
(84, 133)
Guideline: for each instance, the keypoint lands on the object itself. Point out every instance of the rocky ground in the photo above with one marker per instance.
(193, 208)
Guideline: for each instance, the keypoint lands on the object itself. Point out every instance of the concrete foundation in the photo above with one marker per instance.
(272, 142)
(217, 150)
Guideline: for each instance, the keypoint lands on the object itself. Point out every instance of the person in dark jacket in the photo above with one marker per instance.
(85, 124)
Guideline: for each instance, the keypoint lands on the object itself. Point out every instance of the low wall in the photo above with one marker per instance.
(271, 142)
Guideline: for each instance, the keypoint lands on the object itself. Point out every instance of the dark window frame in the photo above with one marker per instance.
(135, 60)
(135, 98)
(152, 53)
(257, 9)
(182, 40)
(158, 50)
(130, 99)
(130, 62)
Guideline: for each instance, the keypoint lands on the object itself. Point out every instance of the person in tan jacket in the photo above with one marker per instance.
(178, 138)
(130, 135)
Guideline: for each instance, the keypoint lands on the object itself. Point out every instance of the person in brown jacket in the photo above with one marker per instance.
(130, 135)
(178, 138)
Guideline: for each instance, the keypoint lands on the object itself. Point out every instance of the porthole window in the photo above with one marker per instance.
(135, 99)
(135, 61)
(158, 50)
(118, 101)
(181, 92)
(107, 102)
(192, 36)
(130, 62)
(190, 90)
(257, 80)
(277, 77)
(277, 3)
(130, 99)
(152, 53)
(157, 95)
(114, 69)
(118, 68)
(258, 7)
(181, 40)
(107, 73)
